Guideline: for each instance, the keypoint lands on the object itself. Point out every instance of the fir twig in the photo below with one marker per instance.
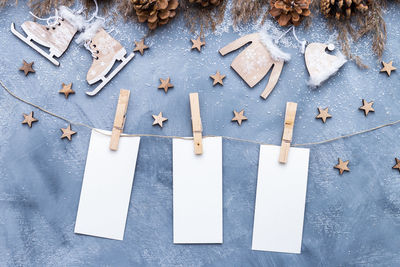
(204, 18)
(244, 11)
(4, 2)
(44, 7)
(359, 25)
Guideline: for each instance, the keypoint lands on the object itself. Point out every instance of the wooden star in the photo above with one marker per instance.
(165, 84)
(323, 114)
(388, 67)
(159, 119)
(342, 166)
(367, 107)
(217, 77)
(239, 117)
(66, 90)
(140, 46)
(29, 119)
(397, 165)
(198, 43)
(67, 133)
(27, 67)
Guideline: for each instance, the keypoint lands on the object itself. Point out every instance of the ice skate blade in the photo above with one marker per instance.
(34, 46)
(112, 74)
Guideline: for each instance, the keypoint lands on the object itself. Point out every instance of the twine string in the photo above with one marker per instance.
(283, 34)
(188, 138)
(302, 43)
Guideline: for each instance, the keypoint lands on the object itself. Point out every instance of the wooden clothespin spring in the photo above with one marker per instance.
(120, 116)
(196, 123)
(290, 116)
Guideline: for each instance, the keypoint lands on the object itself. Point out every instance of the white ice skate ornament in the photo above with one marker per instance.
(105, 51)
(320, 64)
(253, 63)
(56, 35)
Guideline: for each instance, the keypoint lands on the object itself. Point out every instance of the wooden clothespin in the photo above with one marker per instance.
(196, 123)
(290, 116)
(120, 116)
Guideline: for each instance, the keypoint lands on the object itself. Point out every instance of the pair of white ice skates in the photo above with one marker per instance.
(57, 37)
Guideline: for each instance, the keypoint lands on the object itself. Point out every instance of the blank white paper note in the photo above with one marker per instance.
(106, 187)
(280, 200)
(197, 192)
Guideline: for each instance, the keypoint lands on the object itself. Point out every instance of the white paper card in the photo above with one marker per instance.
(106, 187)
(197, 192)
(280, 200)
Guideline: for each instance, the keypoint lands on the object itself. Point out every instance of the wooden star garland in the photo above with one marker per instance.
(165, 84)
(29, 119)
(198, 43)
(27, 67)
(342, 166)
(388, 68)
(66, 90)
(397, 165)
(239, 116)
(323, 114)
(67, 133)
(159, 119)
(217, 77)
(367, 107)
(140, 46)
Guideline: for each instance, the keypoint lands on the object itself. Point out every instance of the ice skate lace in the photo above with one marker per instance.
(89, 44)
(51, 21)
(95, 14)
(92, 49)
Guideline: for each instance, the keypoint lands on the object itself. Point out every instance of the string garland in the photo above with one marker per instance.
(188, 138)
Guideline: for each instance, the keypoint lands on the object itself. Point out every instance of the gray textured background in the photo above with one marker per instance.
(351, 219)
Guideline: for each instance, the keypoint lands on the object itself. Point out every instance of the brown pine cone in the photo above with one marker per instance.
(342, 8)
(288, 12)
(155, 12)
(205, 3)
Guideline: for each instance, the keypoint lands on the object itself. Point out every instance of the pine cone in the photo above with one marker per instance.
(288, 12)
(205, 3)
(342, 8)
(155, 12)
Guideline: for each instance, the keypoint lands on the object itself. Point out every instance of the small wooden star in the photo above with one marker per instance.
(165, 84)
(217, 77)
(140, 46)
(388, 67)
(367, 107)
(198, 43)
(397, 165)
(342, 166)
(67, 132)
(27, 67)
(159, 119)
(239, 116)
(66, 90)
(323, 114)
(29, 119)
